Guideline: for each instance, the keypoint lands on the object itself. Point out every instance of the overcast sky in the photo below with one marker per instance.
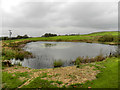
(65, 17)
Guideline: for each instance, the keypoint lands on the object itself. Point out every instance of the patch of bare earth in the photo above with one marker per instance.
(14, 69)
(71, 75)
(68, 75)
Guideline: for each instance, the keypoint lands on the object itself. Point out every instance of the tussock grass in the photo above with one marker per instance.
(86, 59)
(58, 63)
(109, 38)
(9, 53)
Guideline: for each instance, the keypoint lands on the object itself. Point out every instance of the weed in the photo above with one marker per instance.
(19, 56)
(72, 76)
(8, 53)
(99, 57)
(80, 60)
(58, 63)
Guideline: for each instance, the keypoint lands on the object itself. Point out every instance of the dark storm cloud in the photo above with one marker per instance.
(63, 16)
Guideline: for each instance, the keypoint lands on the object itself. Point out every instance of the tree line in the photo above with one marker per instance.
(26, 36)
(52, 35)
(18, 37)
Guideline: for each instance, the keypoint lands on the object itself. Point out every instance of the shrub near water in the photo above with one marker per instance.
(19, 55)
(99, 57)
(8, 53)
(80, 60)
(58, 63)
(108, 38)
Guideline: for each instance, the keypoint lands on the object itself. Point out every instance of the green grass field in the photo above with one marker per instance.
(86, 37)
(12, 80)
(103, 33)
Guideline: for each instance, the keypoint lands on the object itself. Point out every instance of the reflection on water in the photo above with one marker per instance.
(16, 62)
(47, 52)
(49, 44)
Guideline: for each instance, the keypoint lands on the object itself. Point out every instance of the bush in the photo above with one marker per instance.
(106, 38)
(58, 63)
(78, 61)
(8, 53)
(49, 35)
(99, 57)
(59, 40)
(116, 39)
(19, 55)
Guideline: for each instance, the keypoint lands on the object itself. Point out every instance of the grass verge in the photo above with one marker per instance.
(40, 83)
(13, 80)
(107, 78)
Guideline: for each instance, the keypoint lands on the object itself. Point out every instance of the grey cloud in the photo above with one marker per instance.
(62, 16)
(96, 15)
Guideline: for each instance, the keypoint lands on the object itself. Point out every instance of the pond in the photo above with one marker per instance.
(47, 52)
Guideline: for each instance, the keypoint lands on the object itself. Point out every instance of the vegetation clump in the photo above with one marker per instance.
(49, 35)
(78, 60)
(108, 38)
(58, 63)
(86, 59)
(19, 55)
(12, 38)
(8, 54)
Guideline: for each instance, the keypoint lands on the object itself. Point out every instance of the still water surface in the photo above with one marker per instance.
(47, 52)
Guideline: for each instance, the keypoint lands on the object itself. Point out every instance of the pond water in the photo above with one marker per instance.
(47, 52)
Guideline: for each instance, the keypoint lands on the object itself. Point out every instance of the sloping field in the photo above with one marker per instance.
(93, 37)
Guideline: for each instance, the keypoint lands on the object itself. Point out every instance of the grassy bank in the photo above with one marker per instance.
(107, 78)
(102, 74)
(93, 37)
